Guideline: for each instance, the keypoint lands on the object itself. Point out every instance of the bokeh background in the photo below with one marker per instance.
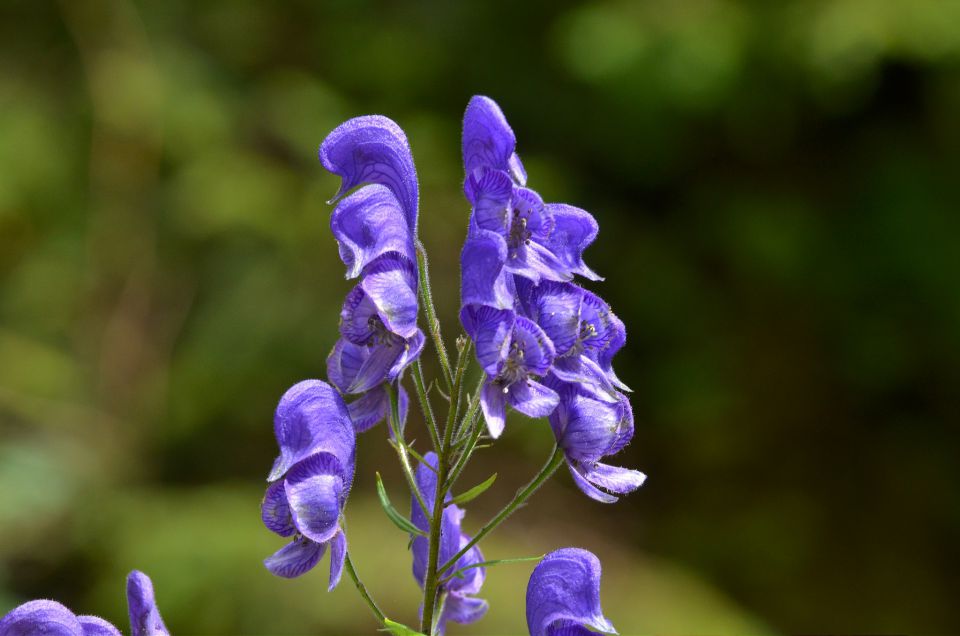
(777, 190)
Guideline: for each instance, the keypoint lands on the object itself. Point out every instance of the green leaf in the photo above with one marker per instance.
(398, 629)
(398, 519)
(474, 492)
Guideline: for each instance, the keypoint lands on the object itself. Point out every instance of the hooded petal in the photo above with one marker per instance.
(490, 191)
(295, 558)
(145, 618)
(311, 416)
(410, 350)
(40, 617)
(574, 230)
(368, 224)
(490, 329)
(316, 494)
(536, 347)
(391, 283)
(555, 307)
(532, 398)
(588, 428)
(275, 511)
(493, 401)
(96, 626)
(564, 589)
(483, 278)
(488, 141)
(338, 556)
(373, 149)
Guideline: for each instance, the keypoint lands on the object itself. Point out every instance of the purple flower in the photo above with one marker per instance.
(460, 606)
(375, 229)
(512, 351)
(53, 619)
(563, 595)
(310, 480)
(589, 427)
(542, 241)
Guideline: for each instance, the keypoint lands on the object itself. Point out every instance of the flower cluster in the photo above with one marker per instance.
(310, 480)
(545, 344)
(459, 605)
(53, 619)
(375, 227)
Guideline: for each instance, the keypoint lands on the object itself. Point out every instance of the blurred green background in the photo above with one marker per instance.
(777, 190)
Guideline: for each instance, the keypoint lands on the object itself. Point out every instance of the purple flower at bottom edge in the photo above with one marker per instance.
(311, 479)
(512, 350)
(53, 619)
(563, 595)
(588, 428)
(460, 606)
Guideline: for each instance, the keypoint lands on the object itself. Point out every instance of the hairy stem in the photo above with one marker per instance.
(433, 325)
(522, 495)
(352, 572)
(470, 419)
(393, 421)
(425, 406)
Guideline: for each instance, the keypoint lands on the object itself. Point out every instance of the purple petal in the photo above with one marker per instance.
(538, 351)
(145, 619)
(532, 398)
(491, 192)
(344, 362)
(585, 427)
(95, 626)
(377, 364)
(483, 278)
(574, 230)
(40, 617)
(275, 511)
(391, 283)
(295, 558)
(568, 628)
(368, 224)
(338, 556)
(536, 263)
(494, 404)
(613, 478)
(357, 317)
(516, 169)
(490, 329)
(369, 409)
(564, 589)
(312, 416)
(463, 609)
(316, 494)
(586, 487)
(579, 369)
(488, 141)
(373, 149)
(427, 485)
(411, 350)
(609, 333)
(556, 308)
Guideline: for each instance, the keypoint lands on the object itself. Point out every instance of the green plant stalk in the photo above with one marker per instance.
(522, 495)
(433, 325)
(393, 421)
(469, 419)
(425, 406)
(362, 589)
(431, 582)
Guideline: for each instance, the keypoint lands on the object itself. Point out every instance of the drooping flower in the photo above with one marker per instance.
(375, 229)
(53, 619)
(310, 480)
(513, 351)
(563, 595)
(459, 605)
(588, 427)
(543, 241)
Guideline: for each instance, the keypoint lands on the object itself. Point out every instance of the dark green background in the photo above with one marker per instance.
(777, 190)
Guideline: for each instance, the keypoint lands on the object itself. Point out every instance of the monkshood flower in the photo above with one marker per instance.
(563, 595)
(542, 240)
(459, 606)
(375, 229)
(585, 332)
(53, 619)
(513, 351)
(310, 480)
(588, 428)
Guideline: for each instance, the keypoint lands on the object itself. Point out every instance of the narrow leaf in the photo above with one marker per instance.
(474, 492)
(398, 629)
(484, 564)
(398, 519)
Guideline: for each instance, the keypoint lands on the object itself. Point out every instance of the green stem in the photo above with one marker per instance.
(433, 325)
(469, 419)
(522, 495)
(352, 572)
(393, 421)
(425, 406)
